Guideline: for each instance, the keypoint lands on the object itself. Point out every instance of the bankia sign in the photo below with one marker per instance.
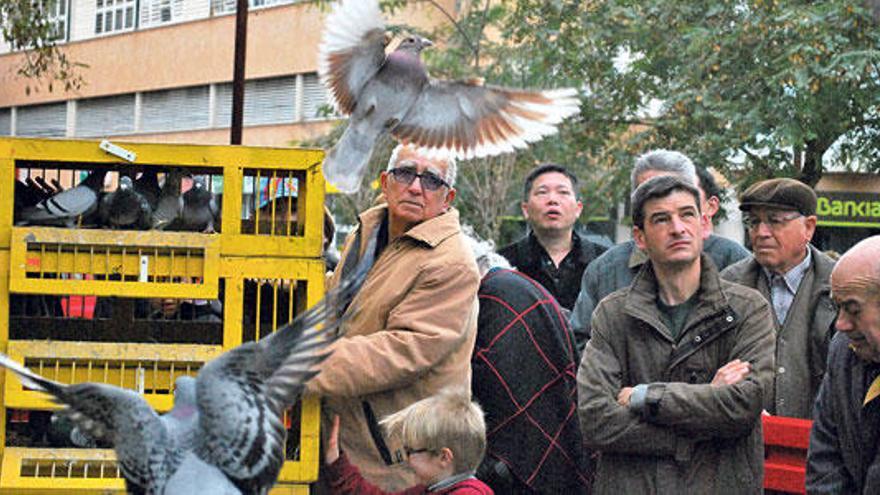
(848, 209)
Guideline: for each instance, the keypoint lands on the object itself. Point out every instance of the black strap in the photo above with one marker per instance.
(376, 433)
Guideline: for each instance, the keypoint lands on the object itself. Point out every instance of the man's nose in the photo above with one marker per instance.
(763, 229)
(415, 186)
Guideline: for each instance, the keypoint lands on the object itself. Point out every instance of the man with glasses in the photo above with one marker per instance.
(413, 323)
(780, 216)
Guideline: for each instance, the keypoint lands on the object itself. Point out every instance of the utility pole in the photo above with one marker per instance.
(241, 15)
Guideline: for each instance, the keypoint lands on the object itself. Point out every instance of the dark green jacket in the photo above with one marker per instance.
(692, 438)
(802, 340)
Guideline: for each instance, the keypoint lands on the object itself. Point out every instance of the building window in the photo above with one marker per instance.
(220, 7)
(107, 116)
(56, 14)
(316, 99)
(175, 109)
(41, 120)
(5, 121)
(158, 12)
(113, 16)
(266, 101)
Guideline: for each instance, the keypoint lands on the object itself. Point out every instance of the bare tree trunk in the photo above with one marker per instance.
(811, 171)
(483, 185)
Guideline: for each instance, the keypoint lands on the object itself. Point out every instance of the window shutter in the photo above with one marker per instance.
(42, 120)
(5, 121)
(315, 98)
(175, 109)
(266, 101)
(105, 116)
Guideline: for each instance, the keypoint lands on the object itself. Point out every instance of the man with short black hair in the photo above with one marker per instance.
(553, 253)
(670, 385)
(780, 215)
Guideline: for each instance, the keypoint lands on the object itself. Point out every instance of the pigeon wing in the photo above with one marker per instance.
(466, 119)
(243, 393)
(352, 50)
(67, 204)
(144, 451)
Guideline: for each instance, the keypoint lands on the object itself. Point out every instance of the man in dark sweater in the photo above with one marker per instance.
(553, 253)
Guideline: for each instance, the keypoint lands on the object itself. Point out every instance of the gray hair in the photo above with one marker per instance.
(484, 251)
(663, 161)
(451, 164)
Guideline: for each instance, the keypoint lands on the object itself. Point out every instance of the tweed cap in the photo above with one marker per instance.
(785, 194)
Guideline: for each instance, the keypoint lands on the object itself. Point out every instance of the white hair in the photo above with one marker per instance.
(484, 251)
(663, 161)
(451, 164)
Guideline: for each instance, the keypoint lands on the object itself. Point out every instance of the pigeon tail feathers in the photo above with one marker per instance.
(346, 164)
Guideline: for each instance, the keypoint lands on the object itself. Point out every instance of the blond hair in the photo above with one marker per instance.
(448, 419)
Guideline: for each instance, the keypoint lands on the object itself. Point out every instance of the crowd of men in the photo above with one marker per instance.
(643, 368)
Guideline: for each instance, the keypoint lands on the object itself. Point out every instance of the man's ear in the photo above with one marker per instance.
(524, 207)
(450, 195)
(383, 182)
(713, 204)
(810, 223)
(639, 237)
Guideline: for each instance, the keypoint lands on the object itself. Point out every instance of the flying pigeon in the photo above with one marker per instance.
(125, 208)
(394, 94)
(66, 206)
(225, 433)
(170, 200)
(200, 208)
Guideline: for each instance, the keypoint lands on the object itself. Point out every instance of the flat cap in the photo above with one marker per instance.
(785, 194)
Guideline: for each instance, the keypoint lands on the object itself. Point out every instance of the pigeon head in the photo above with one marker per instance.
(125, 183)
(414, 44)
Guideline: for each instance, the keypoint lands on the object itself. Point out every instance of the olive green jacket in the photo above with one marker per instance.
(690, 437)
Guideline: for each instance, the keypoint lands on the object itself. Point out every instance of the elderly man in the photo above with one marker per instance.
(670, 386)
(843, 455)
(780, 215)
(553, 253)
(414, 319)
(617, 267)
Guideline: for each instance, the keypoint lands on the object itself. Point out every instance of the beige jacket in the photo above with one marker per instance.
(412, 334)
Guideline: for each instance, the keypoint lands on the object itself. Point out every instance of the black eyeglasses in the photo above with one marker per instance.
(429, 180)
(410, 451)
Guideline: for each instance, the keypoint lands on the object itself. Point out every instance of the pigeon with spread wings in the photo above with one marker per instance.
(394, 94)
(225, 433)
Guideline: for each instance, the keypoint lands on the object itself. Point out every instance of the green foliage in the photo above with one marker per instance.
(26, 26)
(761, 88)
(754, 89)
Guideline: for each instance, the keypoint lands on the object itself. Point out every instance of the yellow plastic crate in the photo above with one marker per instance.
(238, 168)
(263, 277)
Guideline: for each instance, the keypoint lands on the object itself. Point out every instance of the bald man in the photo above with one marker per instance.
(843, 454)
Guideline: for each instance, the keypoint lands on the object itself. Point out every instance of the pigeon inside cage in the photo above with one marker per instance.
(134, 198)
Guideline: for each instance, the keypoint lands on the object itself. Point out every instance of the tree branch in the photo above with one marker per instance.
(455, 23)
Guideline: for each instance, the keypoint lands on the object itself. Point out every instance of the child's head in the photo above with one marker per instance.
(443, 435)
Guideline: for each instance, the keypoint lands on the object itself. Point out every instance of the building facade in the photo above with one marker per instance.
(161, 71)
